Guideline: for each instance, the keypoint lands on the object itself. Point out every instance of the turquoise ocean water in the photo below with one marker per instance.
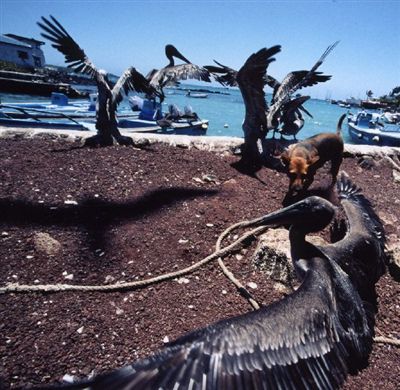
(225, 111)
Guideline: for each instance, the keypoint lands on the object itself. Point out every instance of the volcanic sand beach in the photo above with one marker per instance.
(99, 216)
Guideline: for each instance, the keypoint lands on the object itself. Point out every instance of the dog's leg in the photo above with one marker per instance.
(335, 165)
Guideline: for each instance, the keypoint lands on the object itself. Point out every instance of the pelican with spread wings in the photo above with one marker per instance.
(109, 96)
(171, 73)
(284, 109)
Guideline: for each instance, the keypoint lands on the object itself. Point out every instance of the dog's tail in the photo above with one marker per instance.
(339, 125)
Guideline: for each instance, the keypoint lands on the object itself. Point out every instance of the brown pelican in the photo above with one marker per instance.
(250, 79)
(310, 339)
(292, 119)
(292, 83)
(171, 73)
(284, 109)
(108, 97)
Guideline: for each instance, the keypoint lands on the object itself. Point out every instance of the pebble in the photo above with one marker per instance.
(165, 340)
(209, 224)
(252, 285)
(224, 292)
(80, 330)
(68, 378)
(29, 257)
(69, 277)
(73, 202)
(183, 241)
(183, 280)
(4, 234)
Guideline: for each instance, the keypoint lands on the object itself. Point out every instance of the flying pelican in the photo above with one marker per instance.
(108, 97)
(171, 73)
(284, 109)
(292, 83)
(310, 339)
(250, 80)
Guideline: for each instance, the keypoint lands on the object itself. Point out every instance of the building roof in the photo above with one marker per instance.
(10, 41)
(29, 41)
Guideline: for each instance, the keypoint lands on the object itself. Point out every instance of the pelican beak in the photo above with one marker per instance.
(285, 216)
(312, 213)
(181, 57)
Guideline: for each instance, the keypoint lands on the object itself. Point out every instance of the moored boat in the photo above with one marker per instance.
(372, 129)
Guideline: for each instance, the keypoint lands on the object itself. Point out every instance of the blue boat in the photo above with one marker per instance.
(60, 114)
(373, 129)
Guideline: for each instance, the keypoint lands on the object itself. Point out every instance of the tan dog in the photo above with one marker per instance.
(303, 159)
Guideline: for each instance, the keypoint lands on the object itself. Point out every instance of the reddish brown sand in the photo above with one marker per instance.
(140, 213)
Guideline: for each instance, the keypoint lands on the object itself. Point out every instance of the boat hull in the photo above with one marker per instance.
(373, 136)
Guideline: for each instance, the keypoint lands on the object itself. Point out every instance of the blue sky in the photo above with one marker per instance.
(118, 34)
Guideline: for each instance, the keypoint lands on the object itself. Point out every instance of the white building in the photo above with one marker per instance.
(24, 52)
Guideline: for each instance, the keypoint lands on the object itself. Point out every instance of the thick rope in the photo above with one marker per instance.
(241, 288)
(387, 340)
(21, 288)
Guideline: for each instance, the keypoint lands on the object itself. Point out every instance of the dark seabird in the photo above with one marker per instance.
(171, 73)
(108, 96)
(292, 119)
(310, 339)
(250, 80)
(292, 83)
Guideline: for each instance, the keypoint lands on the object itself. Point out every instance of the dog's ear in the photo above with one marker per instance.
(285, 157)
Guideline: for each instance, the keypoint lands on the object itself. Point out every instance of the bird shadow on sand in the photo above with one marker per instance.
(95, 216)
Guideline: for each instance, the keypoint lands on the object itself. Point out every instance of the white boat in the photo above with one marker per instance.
(372, 129)
(197, 95)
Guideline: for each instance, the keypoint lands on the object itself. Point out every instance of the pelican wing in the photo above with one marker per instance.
(130, 80)
(172, 74)
(223, 74)
(361, 252)
(297, 80)
(292, 83)
(272, 83)
(75, 57)
(250, 79)
(299, 342)
(294, 104)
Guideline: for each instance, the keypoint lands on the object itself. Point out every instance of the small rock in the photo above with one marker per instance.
(73, 202)
(183, 241)
(68, 378)
(210, 179)
(252, 285)
(197, 180)
(4, 234)
(80, 330)
(239, 257)
(69, 276)
(183, 280)
(119, 311)
(46, 244)
(396, 176)
(224, 292)
(165, 340)
(191, 307)
(109, 279)
(209, 224)
(29, 257)
(367, 162)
